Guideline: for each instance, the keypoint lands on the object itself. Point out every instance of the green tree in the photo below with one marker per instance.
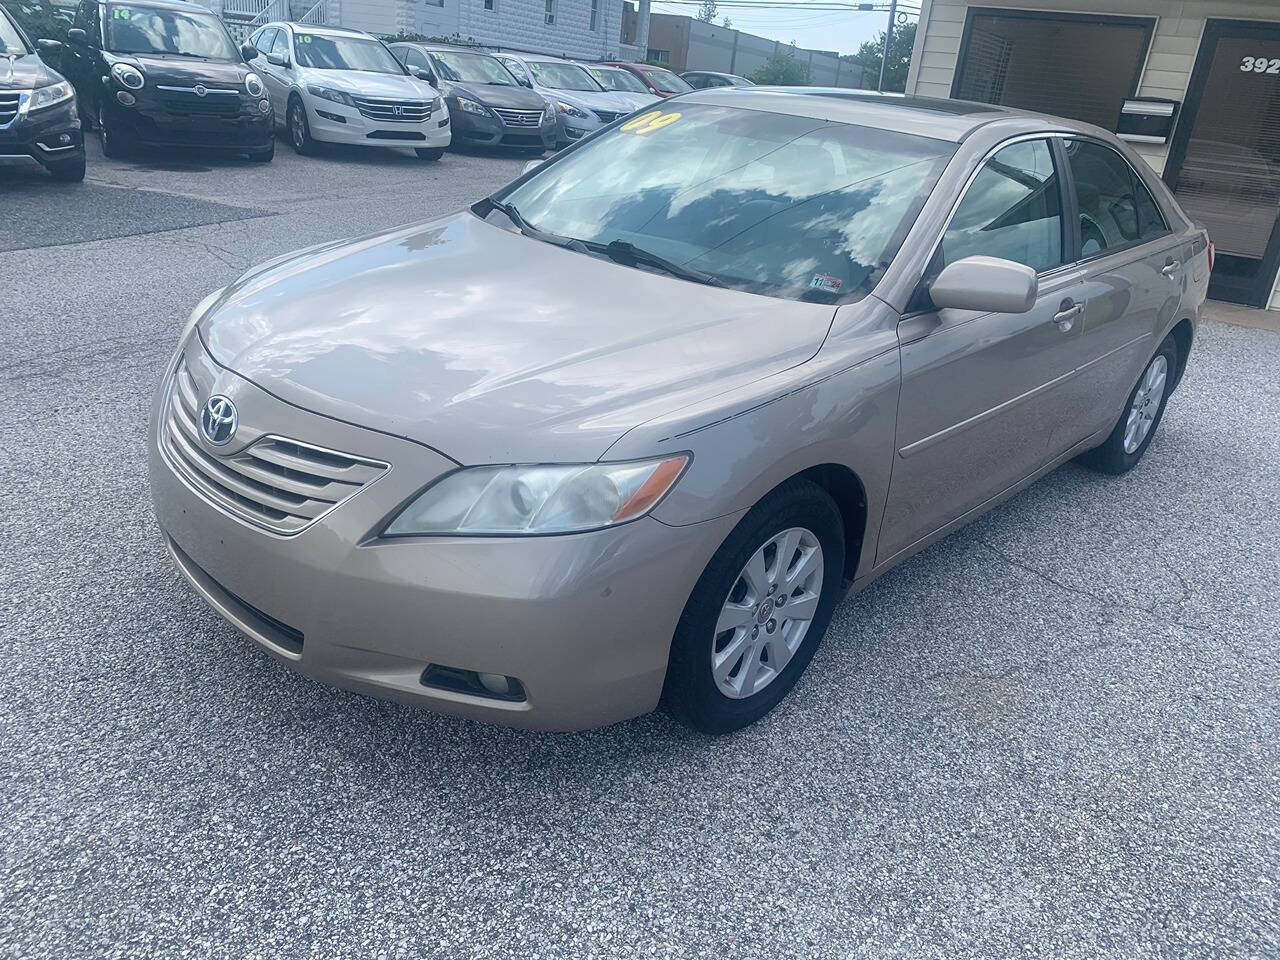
(706, 11)
(782, 70)
(870, 53)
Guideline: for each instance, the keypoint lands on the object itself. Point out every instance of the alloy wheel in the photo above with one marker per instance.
(1146, 404)
(297, 127)
(767, 613)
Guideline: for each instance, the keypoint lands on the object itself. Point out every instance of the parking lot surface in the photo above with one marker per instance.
(1053, 734)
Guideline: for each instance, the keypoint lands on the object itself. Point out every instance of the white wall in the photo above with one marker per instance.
(1167, 73)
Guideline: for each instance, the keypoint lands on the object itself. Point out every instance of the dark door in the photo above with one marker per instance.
(1224, 163)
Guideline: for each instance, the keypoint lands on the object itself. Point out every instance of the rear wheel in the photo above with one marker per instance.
(758, 612)
(299, 128)
(1133, 432)
(428, 153)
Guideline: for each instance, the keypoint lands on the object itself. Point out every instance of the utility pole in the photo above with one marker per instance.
(888, 37)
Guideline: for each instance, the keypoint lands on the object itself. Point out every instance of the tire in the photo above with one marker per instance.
(1122, 450)
(68, 171)
(428, 153)
(264, 156)
(114, 146)
(299, 128)
(694, 691)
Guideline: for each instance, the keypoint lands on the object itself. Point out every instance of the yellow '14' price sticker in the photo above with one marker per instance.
(649, 122)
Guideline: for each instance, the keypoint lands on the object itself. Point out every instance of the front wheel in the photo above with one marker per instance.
(758, 612)
(266, 155)
(428, 153)
(114, 145)
(68, 171)
(300, 129)
(1133, 432)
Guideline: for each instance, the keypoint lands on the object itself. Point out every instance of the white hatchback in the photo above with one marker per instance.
(342, 86)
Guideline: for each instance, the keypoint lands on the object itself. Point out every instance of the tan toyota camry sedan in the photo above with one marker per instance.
(623, 432)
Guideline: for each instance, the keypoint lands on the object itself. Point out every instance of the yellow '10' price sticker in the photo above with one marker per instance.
(649, 122)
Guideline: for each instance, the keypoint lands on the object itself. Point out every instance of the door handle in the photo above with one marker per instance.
(1171, 268)
(1065, 318)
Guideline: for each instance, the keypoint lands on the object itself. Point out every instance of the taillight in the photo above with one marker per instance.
(1210, 254)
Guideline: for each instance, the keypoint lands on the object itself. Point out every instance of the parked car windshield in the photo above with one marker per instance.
(562, 76)
(667, 82)
(615, 79)
(328, 52)
(472, 68)
(788, 206)
(157, 30)
(10, 40)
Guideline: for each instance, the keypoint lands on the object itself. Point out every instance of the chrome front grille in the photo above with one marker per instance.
(519, 118)
(280, 484)
(402, 111)
(8, 106)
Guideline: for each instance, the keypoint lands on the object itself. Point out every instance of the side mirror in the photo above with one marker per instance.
(988, 284)
(77, 36)
(248, 51)
(50, 50)
(277, 59)
(532, 165)
(423, 74)
(524, 82)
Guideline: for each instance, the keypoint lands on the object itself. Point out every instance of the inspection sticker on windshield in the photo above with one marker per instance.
(649, 122)
(121, 13)
(304, 38)
(824, 281)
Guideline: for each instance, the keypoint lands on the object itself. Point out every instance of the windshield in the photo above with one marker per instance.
(10, 41)
(619, 80)
(667, 82)
(562, 76)
(789, 206)
(324, 52)
(156, 30)
(472, 68)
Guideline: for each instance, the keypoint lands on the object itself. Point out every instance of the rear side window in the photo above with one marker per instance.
(265, 39)
(1116, 208)
(1012, 210)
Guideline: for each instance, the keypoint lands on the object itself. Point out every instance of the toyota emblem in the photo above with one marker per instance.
(200, 90)
(218, 420)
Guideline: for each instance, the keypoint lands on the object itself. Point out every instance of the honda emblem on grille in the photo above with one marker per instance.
(397, 109)
(200, 90)
(218, 420)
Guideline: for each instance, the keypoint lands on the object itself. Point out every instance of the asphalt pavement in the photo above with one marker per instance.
(1053, 734)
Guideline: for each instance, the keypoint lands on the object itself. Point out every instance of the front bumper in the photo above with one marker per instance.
(583, 622)
(339, 123)
(569, 129)
(48, 136)
(491, 131)
(157, 120)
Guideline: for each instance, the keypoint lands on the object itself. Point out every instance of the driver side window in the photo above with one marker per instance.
(281, 46)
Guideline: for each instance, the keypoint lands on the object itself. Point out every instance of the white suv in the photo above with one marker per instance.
(344, 86)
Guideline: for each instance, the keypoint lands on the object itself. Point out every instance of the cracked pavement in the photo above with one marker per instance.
(1053, 734)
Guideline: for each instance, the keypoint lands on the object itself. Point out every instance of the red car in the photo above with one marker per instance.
(660, 81)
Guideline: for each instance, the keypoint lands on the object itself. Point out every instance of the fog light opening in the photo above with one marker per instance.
(126, 98)
(491, 686)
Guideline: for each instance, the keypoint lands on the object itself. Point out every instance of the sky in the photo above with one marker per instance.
(842, 31)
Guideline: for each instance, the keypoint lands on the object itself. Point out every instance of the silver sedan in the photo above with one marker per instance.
(624, 432)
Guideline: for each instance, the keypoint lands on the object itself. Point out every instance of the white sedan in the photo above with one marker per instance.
(337, 85)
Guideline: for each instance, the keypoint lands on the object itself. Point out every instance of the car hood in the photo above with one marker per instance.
(493, 347)
(26, 73)
(185, 71)
(496, 95)
(371, 84)
(584, 98)
(633, 101)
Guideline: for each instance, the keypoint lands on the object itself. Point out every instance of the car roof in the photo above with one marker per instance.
(442, 47)
(321, 31)
(934, 117)
(182, 5)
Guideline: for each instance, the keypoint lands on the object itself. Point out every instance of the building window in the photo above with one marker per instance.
(595, 13)
(490, 4)
(1070, 65)
(658, 56)
(435, 3)
(549, 17)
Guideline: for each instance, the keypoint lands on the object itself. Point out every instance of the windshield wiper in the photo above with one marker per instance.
(629, 255)
(529, 230)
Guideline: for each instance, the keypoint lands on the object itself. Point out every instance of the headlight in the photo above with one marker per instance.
(328, 93)
(540, 499)
(128, 76)
(48, 96)
(471, 106)
(253, 85)
(549, 113)
(570, 110)
(198, 313)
